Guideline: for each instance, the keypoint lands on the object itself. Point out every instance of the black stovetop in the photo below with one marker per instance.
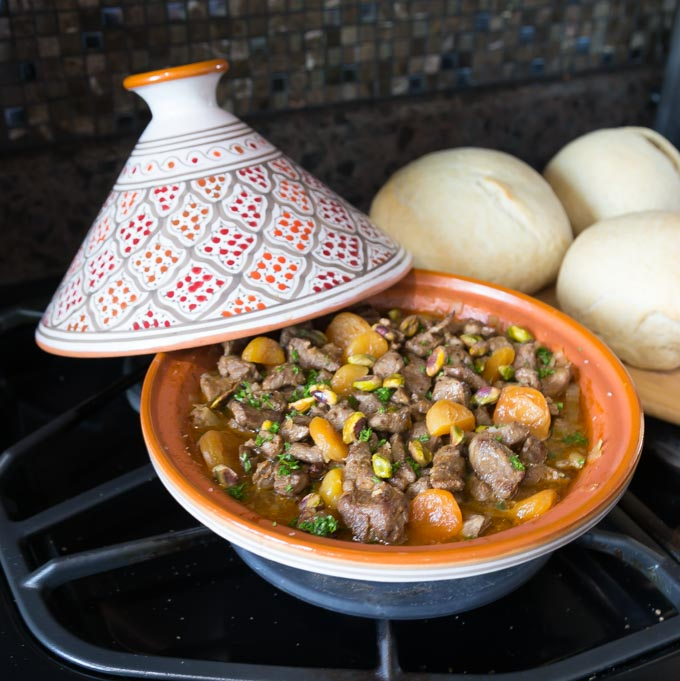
(105, 576)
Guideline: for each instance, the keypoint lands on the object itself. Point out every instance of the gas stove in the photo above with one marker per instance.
(105, 576)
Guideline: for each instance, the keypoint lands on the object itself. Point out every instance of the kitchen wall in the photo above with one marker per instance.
(349, 89)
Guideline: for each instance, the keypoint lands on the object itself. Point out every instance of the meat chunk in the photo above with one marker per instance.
(525, 355)
(377, 515)
(474, 525)
(390, 363)
(528, 377)
(478, 489)
(533, 451)
(358, 469)
(449, 388)
(214, 385)
(307, 453)
(283, 375)
(540, 473)
(462, 373)
(391, 420)
(232, 366)
(289, 483)
(492, 461)
(420, 485)
(417, 382)
(251, 418)
(556, 383)
(302, 352)
(511, 434)
(448, 469)
(338, 414)
(295, 429)
(202, 416)
(263, 477)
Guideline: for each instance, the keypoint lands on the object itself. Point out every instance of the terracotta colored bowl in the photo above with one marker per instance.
(613, 417)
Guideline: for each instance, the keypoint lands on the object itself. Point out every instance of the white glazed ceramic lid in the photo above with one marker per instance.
(210, 233)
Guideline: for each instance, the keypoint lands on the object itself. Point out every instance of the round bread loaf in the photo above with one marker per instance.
(613, 172)
(621, 279)
(477, 213)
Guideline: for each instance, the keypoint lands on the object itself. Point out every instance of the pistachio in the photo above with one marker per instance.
(393, 381)
(436, 361)
(324, 394)
(221, 399)
(506, 371)
(362, 360)
(409, 325)
(519, 334)
(486, 395)
(352, 427)
(457, 435)
(395, 315)
(382, 467)
(470, 339)
(479, 349)
(225, 476)
(303, 405)
(311, 501)
(367, 384)
(384, 331)
(419, 452)
(478, 364)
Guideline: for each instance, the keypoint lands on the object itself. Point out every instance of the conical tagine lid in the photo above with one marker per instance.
(210, 233)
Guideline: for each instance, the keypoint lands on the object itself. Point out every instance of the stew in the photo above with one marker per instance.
(395, 428)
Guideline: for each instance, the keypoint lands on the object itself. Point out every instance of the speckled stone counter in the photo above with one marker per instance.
(51, 196)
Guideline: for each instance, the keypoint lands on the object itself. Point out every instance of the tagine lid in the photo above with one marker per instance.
(210, 233)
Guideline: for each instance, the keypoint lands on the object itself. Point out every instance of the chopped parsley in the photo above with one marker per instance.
(246, 463)
(560, 405)
(321, 525)
(516, 463)
(423, 438)
(365, 434)
(237, 491)
(383, 394)
(295, 355)
(245, 395)
(287, 463)
(544, 355)
(274, 427)
(545, 358)
(575, 439)
(415, 466)
(260, 440)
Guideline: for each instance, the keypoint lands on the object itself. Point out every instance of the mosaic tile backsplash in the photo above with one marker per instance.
(62, 62)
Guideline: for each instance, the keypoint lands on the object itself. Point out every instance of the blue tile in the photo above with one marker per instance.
(537, 66)
(217, 8)
(527, 34)
(416, 84)
(464, 77)
(349, 73)
(449, 61)
(177, 11)
(92, 40)
(27, 71)
(112, 17)
(582, 45)
(15, 117)
(368, 12)
(482, 22)
(279, 82)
